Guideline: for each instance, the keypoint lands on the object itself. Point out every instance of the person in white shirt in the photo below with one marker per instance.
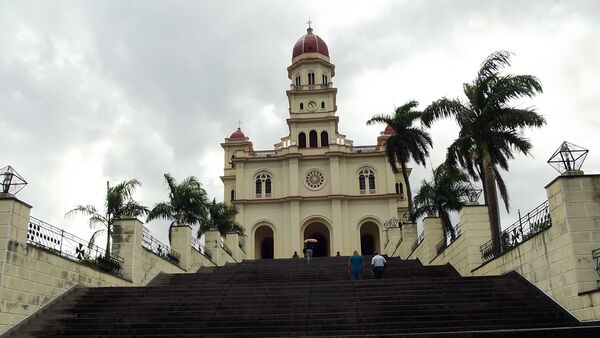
(378, 265)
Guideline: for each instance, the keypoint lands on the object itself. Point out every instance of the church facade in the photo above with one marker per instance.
(315, 183)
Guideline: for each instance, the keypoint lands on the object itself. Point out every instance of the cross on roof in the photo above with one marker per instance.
(309, 22)
(239, 124)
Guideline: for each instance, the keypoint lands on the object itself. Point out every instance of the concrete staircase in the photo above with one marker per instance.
(288, 297)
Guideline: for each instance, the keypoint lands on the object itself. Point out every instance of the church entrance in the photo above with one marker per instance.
(369, 238)
(320, 232)
(263, 243)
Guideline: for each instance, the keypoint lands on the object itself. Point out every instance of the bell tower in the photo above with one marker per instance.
(312, 97)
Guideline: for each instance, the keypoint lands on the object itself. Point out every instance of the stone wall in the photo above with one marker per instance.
(557, 260)
(31, 276)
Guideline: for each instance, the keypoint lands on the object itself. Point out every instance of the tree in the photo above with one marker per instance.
(222, 218)
(491, 129)
(188, 203)
(119, 203)
(442, 194)
(407, 142)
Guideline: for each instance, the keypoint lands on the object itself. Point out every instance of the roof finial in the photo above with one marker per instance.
(240, 124)
(309, 22)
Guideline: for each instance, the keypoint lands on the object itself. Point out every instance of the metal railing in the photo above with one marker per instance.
(534, 222)
(596, 256)
(225, 247)
(448, 240)
(67, 245)
(364, 149)
(201, 248)
(159, 248)
(418, 241)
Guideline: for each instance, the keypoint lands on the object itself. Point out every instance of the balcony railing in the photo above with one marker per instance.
(534, 222)
(159, 248)
(444, 243)
(67, 245)
(201, 248)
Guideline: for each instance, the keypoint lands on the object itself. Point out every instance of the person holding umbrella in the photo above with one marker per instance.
(308, 245)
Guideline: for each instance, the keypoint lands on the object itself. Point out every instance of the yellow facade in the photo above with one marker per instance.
(311, 188)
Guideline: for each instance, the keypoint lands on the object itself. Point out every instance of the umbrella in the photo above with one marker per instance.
(310, 240)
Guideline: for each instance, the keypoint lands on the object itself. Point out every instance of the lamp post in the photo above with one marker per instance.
(12, 182)
(472, 193)
(568, 159)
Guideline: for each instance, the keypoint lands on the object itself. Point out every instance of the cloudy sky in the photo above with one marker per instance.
(113, 90)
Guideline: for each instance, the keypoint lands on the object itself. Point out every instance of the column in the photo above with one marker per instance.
(211, 242)
(432, 229)
(575, 209)
(409, 236)
(127, 243)
(181, 242)
(475, 227)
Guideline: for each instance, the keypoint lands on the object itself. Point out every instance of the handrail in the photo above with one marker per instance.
(448, 240)
(203, 250)
(67, 245)
(526, 227)
(159, 248)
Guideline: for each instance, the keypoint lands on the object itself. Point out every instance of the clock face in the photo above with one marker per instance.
(312, 106)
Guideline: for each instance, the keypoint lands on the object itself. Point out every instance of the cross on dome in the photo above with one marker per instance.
(309, 22)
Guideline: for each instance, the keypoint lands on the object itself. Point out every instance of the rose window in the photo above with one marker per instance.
(314, 179)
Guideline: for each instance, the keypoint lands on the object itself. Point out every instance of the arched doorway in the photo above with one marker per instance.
(369, 238)
(320, 232)
(263, 243)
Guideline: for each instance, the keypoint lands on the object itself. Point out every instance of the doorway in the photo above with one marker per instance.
(369, 238)
(320, 232)
(264, 246)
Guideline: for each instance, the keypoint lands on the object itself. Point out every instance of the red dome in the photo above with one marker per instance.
(237, 135)
(310, 43)
(389, 130)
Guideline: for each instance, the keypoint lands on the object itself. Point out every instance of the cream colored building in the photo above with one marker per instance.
(315, 183)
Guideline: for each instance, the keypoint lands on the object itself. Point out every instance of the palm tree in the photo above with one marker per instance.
(222, 218)
(442, 194)
(188, 203)
(119, 203)
(491, 129)
(407, 142)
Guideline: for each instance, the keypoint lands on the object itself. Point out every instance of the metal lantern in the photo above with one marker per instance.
(472, 194)
(568, 158)
(11, 181)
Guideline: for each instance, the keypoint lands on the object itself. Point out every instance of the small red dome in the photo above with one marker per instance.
(237, 135)
(389, 130)
(310, 43)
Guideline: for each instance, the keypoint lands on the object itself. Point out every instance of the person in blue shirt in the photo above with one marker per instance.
(356, 265)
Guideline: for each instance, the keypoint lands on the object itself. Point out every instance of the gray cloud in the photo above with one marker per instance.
(113, 90)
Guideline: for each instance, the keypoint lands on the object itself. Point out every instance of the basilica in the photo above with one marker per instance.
(315, 183)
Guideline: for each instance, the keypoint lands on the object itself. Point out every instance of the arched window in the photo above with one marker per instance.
(364, 175)
(400, 189)
(312, 139)
(268, 187)
(324, 139)
(263, 184)
(298, 80)
(323, 104)
(324, 79)
(311, 78)
(301, 105)
(302, 140)
(258, 188)
(232, 195)
(371, 183)
(361, 183)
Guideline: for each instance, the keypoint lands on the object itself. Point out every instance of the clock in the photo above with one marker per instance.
(312, 106)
